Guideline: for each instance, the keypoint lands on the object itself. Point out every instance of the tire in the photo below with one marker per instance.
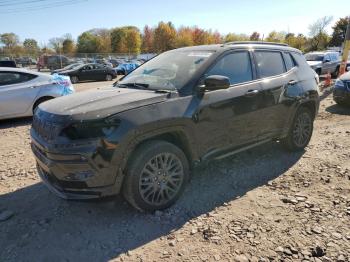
(148, 186)
(74, 79)
(300, 132)
(318, 71)
(109, 77)
(39, 101)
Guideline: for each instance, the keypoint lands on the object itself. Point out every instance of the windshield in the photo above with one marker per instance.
(168, 71)
(314, 57)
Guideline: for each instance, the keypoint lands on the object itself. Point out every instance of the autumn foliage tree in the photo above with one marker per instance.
(164, 37)
(147, 39)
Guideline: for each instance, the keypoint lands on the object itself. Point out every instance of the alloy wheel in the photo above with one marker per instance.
(302, 129)
(161, 178)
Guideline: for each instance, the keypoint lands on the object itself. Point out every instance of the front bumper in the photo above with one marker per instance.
(71, 176)
(341, 95)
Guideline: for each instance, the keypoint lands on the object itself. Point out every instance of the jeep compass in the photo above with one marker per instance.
(141, 136)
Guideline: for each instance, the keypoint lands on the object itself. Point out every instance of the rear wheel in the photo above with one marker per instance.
(109, 77)
(301, 130)
(74, 79)
(156, 176)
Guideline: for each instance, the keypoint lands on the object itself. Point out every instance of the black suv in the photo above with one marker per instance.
(142, 136)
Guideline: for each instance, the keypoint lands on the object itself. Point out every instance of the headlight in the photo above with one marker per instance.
(339, 84)
(91, 129)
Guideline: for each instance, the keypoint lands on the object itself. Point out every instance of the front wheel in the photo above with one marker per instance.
(301, 130)
(156, 176)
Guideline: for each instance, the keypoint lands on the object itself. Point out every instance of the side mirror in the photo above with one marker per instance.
(326, 61)
(215, 82)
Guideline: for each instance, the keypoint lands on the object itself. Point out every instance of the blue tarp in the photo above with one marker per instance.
(64, 82)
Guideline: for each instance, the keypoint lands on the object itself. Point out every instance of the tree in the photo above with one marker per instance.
(10, 40)
(118, 36)
(164, 37)
(184, 37)
(147, 39)
(275, 36)
(126, 39)
(87, 43)
(232, 37)
(30, 46)
(133, 41)
(339, 31)
(317, 31)
(255, 36)
(103, 39)
(56, 43)
(68, 46)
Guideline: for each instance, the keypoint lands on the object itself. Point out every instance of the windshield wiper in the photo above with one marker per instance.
(137, 85)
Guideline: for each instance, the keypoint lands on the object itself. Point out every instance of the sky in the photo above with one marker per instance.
(58, 17)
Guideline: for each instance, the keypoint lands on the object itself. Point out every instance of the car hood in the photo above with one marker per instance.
(100, 103)
(314, 63)
(345, 77)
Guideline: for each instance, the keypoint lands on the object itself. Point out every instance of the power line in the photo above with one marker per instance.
(41, 7)
(20, 3)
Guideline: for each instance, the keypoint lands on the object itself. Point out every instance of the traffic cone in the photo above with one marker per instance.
(328, 80)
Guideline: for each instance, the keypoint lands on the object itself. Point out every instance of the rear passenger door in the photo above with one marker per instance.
(275, 79)
(17, 93)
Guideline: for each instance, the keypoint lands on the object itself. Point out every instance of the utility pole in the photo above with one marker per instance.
(345, 50)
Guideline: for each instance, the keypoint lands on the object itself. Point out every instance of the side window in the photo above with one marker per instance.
(236, 66)
(269, 63)
(300, 60)
(289, 61)
(10, 78)
(327, 57)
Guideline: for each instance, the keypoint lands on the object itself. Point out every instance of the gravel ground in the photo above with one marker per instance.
(260, 205)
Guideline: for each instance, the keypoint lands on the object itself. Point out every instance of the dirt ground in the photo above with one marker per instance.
(261, 205)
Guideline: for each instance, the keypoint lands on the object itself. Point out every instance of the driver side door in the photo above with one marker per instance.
(229, 118)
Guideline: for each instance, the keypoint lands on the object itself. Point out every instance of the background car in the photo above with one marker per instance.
(53, 62)
(91, 71)
(324, 62)
(68, 67)
(8, 63)
(341, 91)
(126, 67)
(21, 91)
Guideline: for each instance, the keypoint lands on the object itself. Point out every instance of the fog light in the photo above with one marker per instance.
(81, 175)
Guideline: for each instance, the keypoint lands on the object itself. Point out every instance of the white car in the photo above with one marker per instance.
(21, 90)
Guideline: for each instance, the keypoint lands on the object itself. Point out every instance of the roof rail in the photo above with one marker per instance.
(255, 42)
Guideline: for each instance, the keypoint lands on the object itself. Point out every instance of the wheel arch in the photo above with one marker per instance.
(41, 99)
(175, 136)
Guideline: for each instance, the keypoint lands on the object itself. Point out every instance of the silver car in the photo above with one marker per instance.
(324, 62)
(21, 90)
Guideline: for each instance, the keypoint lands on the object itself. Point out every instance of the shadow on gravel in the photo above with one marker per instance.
(46, 228)
(339, 110)
(11, 123)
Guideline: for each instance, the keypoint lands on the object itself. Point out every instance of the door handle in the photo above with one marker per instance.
(33, 87)
(292, 82)
(252, 92)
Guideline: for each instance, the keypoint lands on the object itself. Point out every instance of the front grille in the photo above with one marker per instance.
(45, 129)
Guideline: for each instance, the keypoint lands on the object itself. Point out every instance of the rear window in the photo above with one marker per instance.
(10, 78)
(269, 63)
(289, 61)
(300, 59)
